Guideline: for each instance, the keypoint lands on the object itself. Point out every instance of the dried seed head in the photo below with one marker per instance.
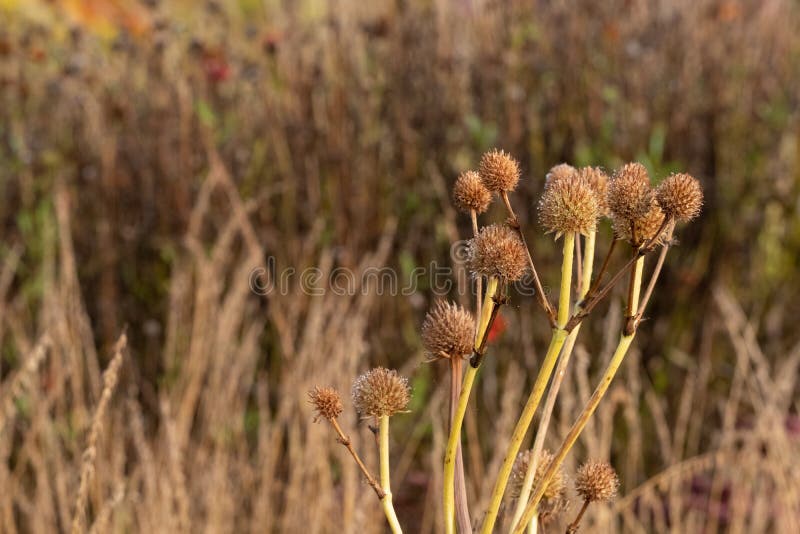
(629, 193)
(448, 330)
(596, 481)
(598, 181)
(559, 172)
(499, 171)
(680, 196)
(550, 509)
(568, 205)
(555, 488)
(497, 251)
(380, 392)
(469, 193)
(641, 229)
(327, 403)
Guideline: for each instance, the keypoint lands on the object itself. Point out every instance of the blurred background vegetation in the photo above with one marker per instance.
(136, 136)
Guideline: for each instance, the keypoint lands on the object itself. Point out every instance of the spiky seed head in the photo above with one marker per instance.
(555, 488)
(380, 392)
(629, 193)
(598, 181)
(559, 172)
(448, 331)
(641, 229)
(499, 252)
(680, 197)
(596, 481)
(469, 193)
(499, 171)
(569, 205)
(327, 403)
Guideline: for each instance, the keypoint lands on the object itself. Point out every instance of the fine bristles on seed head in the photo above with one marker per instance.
(598, 181)
(469, 193)
(559, 172)
(555, 488)
(680, 197)
(327, 402)
(641, 229)
(499, 171)
(448, 331)
(596, 481)
(497, 251)
(568, 205)
(629, 193)
(380, 392)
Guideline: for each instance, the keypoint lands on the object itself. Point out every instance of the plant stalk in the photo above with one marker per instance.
(388, 507)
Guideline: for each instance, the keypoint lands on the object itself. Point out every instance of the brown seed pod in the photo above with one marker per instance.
(497, 251)
(448, 331)
(559, 172)
(598, 181)
(555, 488)
(680, 197)
(568, 205)
(596, 481)
(641, 229)
(630, 196)
(469, 193)
(499, 171)
(380, 392)
(327, 402)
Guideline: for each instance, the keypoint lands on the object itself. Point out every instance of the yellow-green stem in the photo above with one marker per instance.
(572, 436)
(556, 342)
(558, 377)
(453, 440)
(388, 507)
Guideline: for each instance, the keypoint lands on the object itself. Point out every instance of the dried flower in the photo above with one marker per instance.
(555, 488)
(469, 193)
(559, 172)
(497, 251)
(327, 402)
(598, 181)
(596, 481)
(380, 392)
(641, 229)
(630, 196)
(499, 171)
(448, 330)
(680, 196)
(568, 205)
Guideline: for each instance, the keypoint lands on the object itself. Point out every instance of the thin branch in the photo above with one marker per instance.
(344, 440)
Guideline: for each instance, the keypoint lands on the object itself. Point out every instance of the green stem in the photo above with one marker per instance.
(388, 508)
(556, 342)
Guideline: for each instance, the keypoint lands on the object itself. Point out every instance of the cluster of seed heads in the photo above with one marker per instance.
(596, 481)
(380, 392)
(448, 331)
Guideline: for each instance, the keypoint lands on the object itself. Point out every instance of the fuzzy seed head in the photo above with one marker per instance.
(448, 331)
(558, 173)
(568, 205)
(555, 488)
(598, 182)
(629, 193)
(641, 229)
(499, 171)
(380, 392)
(497, 251)
(680, 197)
(469, 193)
(327, 403)
(596, 481)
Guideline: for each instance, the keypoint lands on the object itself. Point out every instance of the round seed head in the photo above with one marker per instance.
(327, 403)
(568, 205)
(680, 196)
(497, 251)
(596, 481)
(629, 193)
(641, 229)
(380, 392)
(559, 172)
(469, 193)
(555, 488)
(598, 181)
(448, 330)
(499, 171)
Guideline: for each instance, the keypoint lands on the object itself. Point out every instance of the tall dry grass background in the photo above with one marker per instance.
(146, 173)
